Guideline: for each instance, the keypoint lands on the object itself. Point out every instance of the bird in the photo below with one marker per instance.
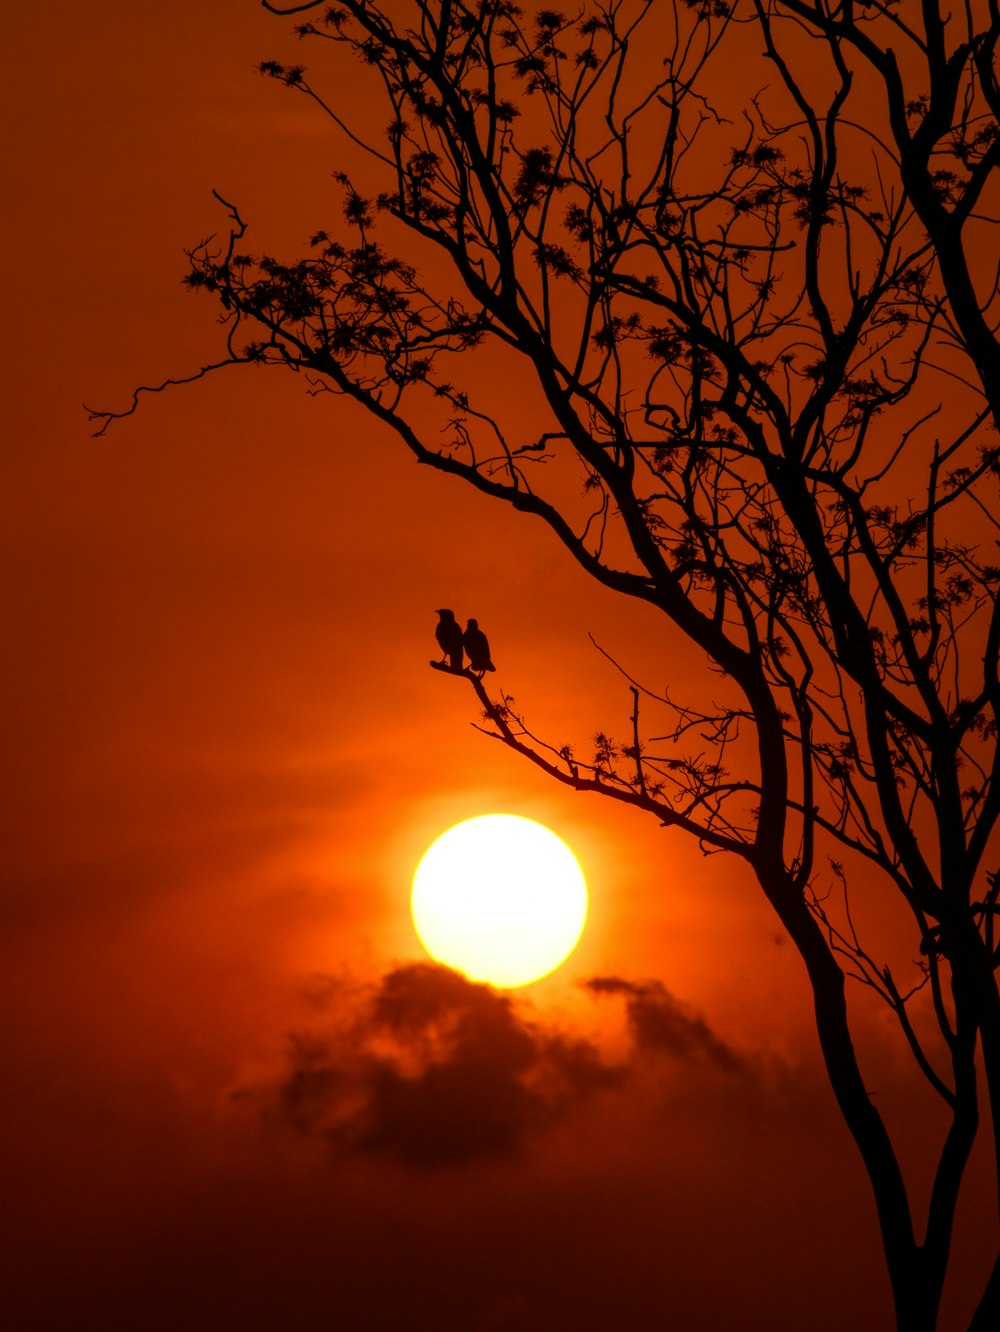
(449, 636)
(477, 648)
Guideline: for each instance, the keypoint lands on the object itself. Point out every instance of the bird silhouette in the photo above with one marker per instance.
(477, 648)
(449, 636)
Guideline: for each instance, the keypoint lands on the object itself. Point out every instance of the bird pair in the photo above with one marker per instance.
(455, 644)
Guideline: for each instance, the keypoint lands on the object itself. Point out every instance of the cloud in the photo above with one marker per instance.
(433, 1071)
(659, 1023)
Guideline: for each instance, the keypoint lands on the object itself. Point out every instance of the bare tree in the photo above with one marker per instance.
(743, 253)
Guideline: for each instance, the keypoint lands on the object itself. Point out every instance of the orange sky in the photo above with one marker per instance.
(225, 756)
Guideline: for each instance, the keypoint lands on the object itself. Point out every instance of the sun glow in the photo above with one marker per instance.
(500, 898)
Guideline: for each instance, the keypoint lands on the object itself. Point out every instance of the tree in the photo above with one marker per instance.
(743, 254)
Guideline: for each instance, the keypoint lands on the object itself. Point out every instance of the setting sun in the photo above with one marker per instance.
(500, 898)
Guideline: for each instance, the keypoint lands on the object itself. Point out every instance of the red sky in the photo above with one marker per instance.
(225, 757)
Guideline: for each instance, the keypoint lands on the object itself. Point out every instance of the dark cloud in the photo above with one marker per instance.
(660, 1023)
(432, 1070)
(435, 1071)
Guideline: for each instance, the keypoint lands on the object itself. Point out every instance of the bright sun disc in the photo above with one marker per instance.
(500, 898)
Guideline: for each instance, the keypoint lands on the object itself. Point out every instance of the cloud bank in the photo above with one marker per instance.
(433, 1071)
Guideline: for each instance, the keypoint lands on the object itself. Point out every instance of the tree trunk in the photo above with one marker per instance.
(916, 1282)
(987, 1315)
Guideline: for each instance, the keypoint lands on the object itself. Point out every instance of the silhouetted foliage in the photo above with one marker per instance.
(745, 255)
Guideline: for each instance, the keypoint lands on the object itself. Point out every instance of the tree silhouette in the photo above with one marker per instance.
(742, 259)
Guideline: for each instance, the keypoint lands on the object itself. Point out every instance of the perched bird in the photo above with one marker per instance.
(449, 636)
(477, 649)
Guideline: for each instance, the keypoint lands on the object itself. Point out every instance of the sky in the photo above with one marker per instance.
(237, 1093)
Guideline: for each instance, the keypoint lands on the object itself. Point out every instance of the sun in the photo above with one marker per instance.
(500, 898)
